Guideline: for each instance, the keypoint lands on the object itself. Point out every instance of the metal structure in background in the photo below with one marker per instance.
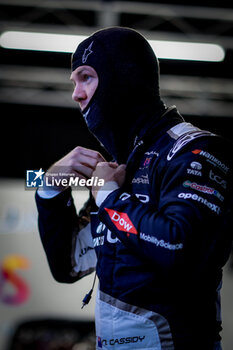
(41, 124)
(210, 95)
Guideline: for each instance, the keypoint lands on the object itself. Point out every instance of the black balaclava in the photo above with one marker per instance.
(127, 96)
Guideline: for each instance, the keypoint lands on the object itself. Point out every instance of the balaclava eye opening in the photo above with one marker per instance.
(128, 91)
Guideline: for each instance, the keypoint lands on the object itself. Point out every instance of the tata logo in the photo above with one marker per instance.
(121, 221)
(196, 165)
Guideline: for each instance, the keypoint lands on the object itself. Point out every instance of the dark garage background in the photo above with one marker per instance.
(39, 121)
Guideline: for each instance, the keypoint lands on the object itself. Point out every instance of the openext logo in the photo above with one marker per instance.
(202, 200)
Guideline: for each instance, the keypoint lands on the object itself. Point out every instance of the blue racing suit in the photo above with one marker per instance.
(158, 243)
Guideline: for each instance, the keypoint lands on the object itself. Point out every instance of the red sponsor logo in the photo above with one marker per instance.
(147, 161)
(121, 221)
(196, 151)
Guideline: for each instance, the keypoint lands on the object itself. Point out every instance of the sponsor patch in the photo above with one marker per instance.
(160, 242)
(143, 179)
(152, 153)
(100, 228)
(144, 198)
(98, 241)
(194, 169)
(194, 172)
(147, 162)
(202, 200)
(212, 159)
(196, 165)
(121, 221)
(217, 179)
(203, 188)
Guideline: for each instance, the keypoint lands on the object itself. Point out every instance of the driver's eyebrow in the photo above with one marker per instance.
(78, 73)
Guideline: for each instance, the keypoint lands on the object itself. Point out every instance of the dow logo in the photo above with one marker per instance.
(121, 221)
(13, 289)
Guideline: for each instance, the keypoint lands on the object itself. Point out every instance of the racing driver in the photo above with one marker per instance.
(158, 232)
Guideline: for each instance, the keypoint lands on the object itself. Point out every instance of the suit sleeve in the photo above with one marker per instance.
(189, 215)
(66, 237)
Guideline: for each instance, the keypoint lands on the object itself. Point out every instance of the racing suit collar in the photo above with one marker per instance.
(147, 136)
